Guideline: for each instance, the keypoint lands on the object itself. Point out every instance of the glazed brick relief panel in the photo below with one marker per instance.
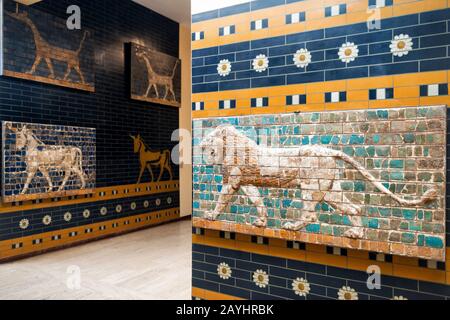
(38, 46)
(367, 179)
(46, 161)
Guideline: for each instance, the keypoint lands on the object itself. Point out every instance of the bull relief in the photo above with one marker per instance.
(47, 161)
(40, 47)
(371, 179)
(155, 76)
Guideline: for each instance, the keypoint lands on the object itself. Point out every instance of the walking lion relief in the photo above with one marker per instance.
(49, 52)
(155, 77)
(372, 176)
(46, 161)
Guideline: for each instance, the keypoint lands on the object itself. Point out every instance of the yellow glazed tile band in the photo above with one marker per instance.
(406, 88)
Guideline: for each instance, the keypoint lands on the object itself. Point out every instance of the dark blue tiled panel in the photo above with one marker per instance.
(268, 82)
(346, 30)
(436, 15)
(233, 291)
(268, 42)
(268, 260)
(398, 68)
(434, 41)
(235, 47)
(435, 64)
(208, 285)
(305, 36)
(340, 74)
(306, 77)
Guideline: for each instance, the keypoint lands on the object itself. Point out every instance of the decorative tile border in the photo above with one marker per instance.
(34, 244)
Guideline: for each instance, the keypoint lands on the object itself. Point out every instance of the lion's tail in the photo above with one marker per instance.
(427, 196)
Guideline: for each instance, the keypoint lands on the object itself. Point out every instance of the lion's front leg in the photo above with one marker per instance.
(255, 197)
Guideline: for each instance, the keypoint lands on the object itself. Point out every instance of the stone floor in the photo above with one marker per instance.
(149, 264)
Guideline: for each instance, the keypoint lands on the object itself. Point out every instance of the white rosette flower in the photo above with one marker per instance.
(261, 278)
(348, 52)
(260, 63)
(224, 67)
(302, 58)
(401, 45)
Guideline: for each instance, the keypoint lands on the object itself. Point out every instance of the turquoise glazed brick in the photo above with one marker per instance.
(434, 242)
(313, 228)
(397, 164)
(420, 240)
(408, 237)
(373, 223)
(409, 214)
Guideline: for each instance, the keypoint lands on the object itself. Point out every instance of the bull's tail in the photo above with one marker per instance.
(426, 197)
(85, 35)
(167, 157)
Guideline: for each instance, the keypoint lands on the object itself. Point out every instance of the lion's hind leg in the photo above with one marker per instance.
(352, 211)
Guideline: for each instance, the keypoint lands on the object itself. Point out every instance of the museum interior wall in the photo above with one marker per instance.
(319, 150)
(87, 119)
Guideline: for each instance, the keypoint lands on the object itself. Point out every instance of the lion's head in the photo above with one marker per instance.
(213, 146)
(226, 145)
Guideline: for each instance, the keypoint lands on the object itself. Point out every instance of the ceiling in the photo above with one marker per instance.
(177, 10)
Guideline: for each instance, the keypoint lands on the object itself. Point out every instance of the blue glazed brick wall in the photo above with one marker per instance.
(109, 109)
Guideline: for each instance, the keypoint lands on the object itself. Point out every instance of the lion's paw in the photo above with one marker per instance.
(209, 215)
(260, 223)
(354, 233)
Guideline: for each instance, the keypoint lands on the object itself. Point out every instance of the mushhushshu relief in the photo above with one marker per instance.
(39, 47)
(155, 76)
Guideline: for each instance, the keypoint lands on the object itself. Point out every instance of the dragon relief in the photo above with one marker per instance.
(312, 169)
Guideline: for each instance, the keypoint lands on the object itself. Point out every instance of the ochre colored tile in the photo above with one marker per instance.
(363, 264)
(419, 273)
(406, 261)
(287, 253)
(326, 259)
(316, 248)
